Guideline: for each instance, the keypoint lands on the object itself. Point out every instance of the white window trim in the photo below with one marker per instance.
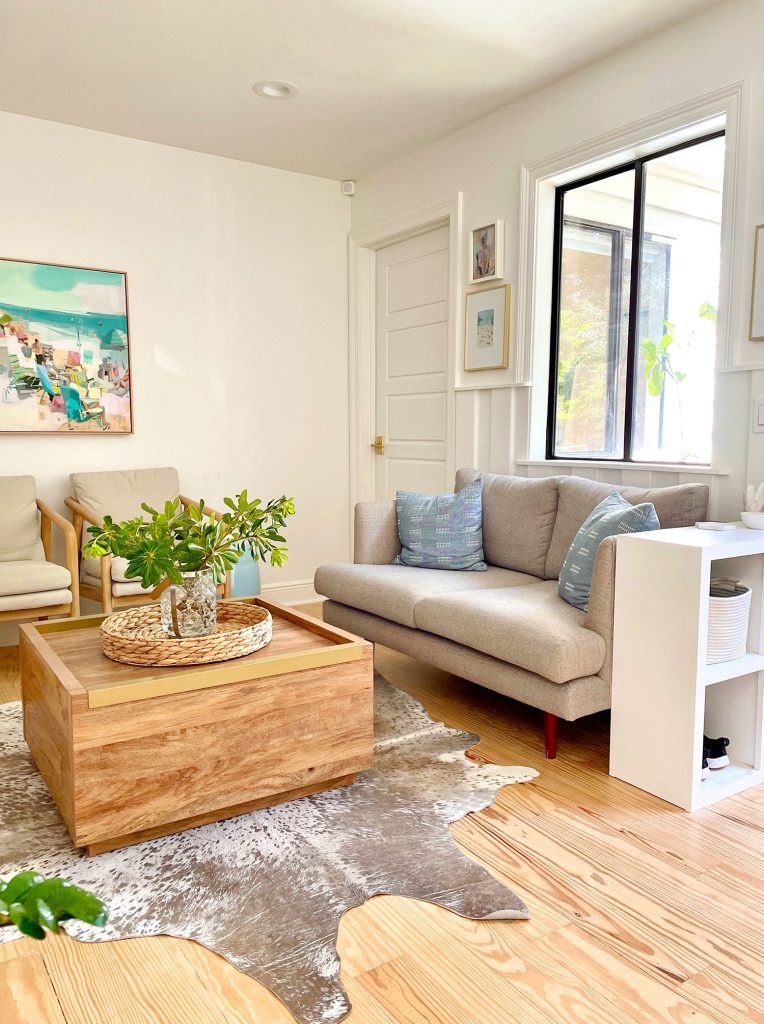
(722, 108)
(685, 468)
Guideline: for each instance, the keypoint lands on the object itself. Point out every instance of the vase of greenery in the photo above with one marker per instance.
(191, 608)
(187, 550)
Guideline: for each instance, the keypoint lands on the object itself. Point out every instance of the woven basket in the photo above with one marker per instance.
(727, 623)
(136, 637)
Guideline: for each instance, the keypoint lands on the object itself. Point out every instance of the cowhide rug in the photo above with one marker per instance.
(267, 890)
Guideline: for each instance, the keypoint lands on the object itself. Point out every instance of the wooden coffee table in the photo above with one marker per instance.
(132, 753)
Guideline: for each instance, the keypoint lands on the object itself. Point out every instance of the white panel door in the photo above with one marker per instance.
(411, 364)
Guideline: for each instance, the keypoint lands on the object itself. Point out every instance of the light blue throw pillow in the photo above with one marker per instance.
(441, 531)
(612, 517)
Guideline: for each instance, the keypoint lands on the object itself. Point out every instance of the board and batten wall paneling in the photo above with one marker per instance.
(484, 429)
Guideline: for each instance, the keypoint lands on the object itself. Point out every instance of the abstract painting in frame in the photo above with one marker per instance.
(64, 350)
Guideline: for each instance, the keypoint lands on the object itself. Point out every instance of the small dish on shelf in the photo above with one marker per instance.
(753, 520)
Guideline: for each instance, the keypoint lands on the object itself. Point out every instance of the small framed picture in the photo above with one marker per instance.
(486, 329)
(756, 332)
(487, 252)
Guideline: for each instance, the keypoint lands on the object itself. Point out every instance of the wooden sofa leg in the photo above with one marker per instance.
(550, 734)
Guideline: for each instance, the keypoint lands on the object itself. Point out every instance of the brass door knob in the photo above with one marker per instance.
(378, 444)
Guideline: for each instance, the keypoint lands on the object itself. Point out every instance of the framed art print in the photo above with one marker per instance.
(64, 350)
(486, 329)
(487, 252)
(756, 332)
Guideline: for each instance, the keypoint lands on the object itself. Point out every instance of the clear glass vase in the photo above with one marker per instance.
(190, 609)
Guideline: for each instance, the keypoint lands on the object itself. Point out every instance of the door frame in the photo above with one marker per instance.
(362, 258)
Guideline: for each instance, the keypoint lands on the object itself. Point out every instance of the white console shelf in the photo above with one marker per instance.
(665, 695)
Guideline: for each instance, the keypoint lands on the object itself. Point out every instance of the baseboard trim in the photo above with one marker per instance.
(293, 592)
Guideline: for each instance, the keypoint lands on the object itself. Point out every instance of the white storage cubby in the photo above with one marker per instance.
(665, 695)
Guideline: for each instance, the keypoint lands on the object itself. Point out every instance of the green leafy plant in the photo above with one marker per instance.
(190, 538)
(34, 903)
(658, 360)
(657, 355)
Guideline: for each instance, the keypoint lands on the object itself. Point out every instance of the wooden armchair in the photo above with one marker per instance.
(31, 585)
(119, 493)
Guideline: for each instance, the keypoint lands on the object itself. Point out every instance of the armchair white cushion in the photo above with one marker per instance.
(19, 520)
(31, 583)
(28, 581)
(31, 576)
(120, 494)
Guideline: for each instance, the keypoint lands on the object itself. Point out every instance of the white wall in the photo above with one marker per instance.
(712, 51)
(238, 320)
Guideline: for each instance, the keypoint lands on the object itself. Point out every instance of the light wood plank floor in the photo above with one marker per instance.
(641, 913)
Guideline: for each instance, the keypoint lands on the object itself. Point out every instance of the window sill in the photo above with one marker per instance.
(650, 467)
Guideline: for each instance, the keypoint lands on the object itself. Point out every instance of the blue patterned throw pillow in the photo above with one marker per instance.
(441, 531)
(613, 516)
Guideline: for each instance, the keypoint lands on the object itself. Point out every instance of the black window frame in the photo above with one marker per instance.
(632, 351)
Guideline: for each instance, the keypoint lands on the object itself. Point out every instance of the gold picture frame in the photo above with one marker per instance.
(483, 340)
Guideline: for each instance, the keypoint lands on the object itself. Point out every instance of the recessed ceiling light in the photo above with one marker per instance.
(275, 90)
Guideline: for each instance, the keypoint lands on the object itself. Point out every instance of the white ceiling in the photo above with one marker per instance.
(377, 78)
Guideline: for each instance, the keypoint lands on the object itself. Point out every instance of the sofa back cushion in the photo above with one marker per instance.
(683, 505)
(19, 520)
(119, 493)
(518, 519)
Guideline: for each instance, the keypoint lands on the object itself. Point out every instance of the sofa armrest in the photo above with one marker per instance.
(376, 533)
(599, 616)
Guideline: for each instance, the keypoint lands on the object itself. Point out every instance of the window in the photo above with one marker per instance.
(636, 279)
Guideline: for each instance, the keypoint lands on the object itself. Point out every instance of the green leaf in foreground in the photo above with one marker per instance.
(36, 904)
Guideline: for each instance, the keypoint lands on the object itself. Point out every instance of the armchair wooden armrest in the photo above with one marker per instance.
(48, 518)
(82, 514)
(192, 501)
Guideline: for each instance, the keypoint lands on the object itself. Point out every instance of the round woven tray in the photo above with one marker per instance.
(136, 637)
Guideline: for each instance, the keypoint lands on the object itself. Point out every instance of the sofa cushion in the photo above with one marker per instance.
(518, 519)
(19, 520)
(682, 505)
(613, 517)
(530, 626)
(119, 493)
(393, 591)
(30, 576)
(441, 531)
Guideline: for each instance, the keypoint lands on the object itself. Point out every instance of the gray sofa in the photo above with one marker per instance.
(507, 629)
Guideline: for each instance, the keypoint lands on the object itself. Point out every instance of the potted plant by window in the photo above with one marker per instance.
(185, 552)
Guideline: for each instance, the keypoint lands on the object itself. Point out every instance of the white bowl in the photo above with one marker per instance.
(753, 520)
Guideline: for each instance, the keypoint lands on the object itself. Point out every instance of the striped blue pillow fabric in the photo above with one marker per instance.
(612, 517)
(441, 531)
